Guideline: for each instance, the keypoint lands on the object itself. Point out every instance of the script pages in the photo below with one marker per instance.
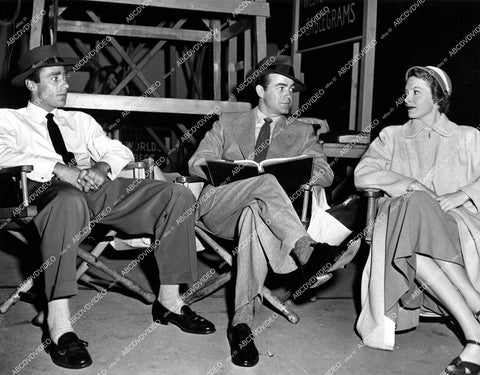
(290, 172)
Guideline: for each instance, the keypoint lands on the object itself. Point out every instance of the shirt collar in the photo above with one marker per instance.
(262, 116)
(37, 113)
(442, 126)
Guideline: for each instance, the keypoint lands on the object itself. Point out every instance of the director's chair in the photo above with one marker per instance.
(16, 213)
(14, 218)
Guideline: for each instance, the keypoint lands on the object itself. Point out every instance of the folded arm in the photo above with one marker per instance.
(110, 155)
(322, 173)
(373, 170)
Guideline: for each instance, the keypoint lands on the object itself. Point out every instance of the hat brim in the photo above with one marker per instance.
(299, 85)
(19, 79)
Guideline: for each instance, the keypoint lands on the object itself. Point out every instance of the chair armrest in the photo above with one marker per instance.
(17, 170)
(189, 179)
(135, 164)
(21, 171)
(372, 198)
(139, 169)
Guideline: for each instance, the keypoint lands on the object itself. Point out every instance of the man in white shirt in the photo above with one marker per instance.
(74, 183)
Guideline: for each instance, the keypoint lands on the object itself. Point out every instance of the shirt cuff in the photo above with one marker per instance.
(116, 165)
(42, 170)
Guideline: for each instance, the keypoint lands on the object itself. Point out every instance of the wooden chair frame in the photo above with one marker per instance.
(19, 217)
(14, 218)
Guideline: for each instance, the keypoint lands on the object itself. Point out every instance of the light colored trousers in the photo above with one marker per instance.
(259, 213)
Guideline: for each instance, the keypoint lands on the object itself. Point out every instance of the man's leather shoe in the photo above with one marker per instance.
(187, 320)
(242, 348)
(71, 352)
(327, 258)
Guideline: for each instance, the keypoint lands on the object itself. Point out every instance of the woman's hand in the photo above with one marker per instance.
(453, 200)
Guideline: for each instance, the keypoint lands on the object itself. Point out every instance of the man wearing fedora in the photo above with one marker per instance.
(257, 210)
(74, 183)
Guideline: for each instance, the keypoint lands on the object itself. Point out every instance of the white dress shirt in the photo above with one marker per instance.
(24, 140)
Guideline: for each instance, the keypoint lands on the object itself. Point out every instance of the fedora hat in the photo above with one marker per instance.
(279, 64)
(37, 58)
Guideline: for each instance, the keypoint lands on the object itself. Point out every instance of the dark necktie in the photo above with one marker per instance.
(261, 146)
(58, 143)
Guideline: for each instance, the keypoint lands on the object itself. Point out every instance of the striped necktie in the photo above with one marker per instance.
(261, 146)
(58, 142)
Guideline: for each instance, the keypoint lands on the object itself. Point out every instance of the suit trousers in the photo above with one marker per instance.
(137, 207)
(259, 212)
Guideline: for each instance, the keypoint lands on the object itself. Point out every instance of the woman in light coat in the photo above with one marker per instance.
(426, 238)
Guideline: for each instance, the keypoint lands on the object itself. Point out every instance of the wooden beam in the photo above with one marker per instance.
(247, 53)
(140, 76)
(354, 88)
(261, 38)
(144, 61)
(232, 65)
(36, 30)
(296, 57)
(152, 105)
(115, 29)
(368, 64)
(235, 7)
(217, 60)
(236, 29)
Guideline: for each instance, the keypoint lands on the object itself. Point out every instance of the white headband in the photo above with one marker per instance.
(440, 76)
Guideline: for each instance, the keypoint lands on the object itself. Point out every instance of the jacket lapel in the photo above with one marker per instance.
(279, 132)
(245, 133)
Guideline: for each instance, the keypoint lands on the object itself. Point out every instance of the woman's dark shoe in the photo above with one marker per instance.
(71, 352)
(459, 367)
(187, 320)
(242, 348)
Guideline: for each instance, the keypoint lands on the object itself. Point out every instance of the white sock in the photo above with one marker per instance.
(58, 319)
(169, 297)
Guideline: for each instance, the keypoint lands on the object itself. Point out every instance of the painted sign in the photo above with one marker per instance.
(325, 22)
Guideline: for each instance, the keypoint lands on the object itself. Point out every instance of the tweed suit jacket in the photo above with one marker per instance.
(232, 137)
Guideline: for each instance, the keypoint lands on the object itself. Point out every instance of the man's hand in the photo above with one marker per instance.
(94, 177)
(68, 174)
(453, 200)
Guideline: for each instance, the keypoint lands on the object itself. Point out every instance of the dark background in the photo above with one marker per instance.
(424, 38)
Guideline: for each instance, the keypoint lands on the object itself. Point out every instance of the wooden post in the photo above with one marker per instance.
(353, 89)
(260, 38)
(36, 27)
(368, 64)
(232, 65)
(296, 57)
(217, 60)
(247, 53)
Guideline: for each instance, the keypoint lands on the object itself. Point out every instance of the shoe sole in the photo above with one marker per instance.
(243, 364)
(186, 329)
(347, 256)
(321, 280)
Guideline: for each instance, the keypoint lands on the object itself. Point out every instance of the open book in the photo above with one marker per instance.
(290, 172)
